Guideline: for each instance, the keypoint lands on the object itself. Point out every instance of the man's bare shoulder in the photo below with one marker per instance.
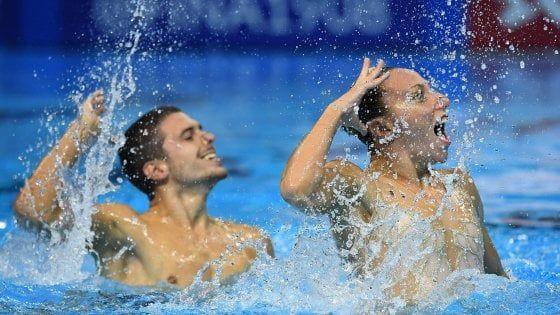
(247, 233)
(240, 229)
(114, 211)
(116, 216)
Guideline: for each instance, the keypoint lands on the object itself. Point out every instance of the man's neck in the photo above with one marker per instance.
(398, 164)
(186, 206)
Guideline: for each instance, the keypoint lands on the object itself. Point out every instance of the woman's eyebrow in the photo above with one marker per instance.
(421, 86)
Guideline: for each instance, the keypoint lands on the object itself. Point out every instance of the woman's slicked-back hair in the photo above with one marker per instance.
(371, 106)
(143, 143)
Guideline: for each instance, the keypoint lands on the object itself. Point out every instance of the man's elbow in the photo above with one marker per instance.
(21, 206)
(292, 193)
(25, 208)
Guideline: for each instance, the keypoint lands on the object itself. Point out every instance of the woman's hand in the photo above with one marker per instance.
(347, 104)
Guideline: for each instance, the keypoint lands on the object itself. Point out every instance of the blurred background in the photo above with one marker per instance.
(267, 65)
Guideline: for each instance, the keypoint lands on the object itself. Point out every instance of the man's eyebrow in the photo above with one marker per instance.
(188, 129)
(191, 128)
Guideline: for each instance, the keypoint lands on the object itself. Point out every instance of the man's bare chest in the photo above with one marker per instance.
(177, 257)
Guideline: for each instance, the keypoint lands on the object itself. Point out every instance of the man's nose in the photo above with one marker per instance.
(442, 102)
(208, 137)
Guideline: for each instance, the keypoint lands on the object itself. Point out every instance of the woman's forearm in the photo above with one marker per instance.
(304, 169)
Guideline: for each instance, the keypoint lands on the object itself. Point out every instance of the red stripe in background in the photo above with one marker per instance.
(487, 31)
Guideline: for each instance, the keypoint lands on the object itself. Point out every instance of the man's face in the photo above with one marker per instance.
(190, 155)
(419, 112)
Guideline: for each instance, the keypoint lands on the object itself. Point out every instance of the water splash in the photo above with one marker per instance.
(62, 259)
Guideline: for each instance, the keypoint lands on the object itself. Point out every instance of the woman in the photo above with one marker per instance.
(397, 220)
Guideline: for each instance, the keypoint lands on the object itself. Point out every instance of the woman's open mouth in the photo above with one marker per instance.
(439, 130)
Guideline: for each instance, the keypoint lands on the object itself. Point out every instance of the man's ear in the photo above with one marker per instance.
(156, 170)
(380, 128)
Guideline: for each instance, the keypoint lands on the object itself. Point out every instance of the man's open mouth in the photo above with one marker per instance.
(210, 156)
(439, 129)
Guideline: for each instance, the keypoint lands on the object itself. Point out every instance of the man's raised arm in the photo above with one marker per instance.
(306, 167)
(37, 201)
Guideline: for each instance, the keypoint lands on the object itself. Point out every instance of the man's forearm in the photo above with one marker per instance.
(37, 200)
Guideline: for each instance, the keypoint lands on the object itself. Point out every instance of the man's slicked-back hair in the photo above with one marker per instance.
(143, 143)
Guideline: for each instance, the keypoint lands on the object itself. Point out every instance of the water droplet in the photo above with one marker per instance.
(478, 97)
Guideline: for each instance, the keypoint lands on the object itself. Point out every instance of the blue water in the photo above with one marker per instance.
(259, 106)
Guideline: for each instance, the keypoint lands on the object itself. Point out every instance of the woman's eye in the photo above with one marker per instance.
(417, 95)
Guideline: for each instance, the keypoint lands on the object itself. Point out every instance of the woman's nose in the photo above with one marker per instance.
(442, 102)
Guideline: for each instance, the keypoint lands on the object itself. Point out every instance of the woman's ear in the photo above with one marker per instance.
(156, 170)
(380, 128)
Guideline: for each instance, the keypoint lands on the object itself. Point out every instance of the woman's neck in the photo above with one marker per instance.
(398, 164)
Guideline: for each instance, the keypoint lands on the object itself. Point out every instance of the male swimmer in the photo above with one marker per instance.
(169, 157)
(397, 218)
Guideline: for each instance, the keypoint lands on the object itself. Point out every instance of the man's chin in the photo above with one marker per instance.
(218, 174)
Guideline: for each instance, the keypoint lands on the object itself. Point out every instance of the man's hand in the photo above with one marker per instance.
(368, 79)
(92, 109)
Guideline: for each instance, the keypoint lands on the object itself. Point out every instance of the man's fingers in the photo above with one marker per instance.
(96, 101)
(365, 67)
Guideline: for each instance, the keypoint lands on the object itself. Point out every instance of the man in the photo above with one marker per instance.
(397, 220)
(170, 158)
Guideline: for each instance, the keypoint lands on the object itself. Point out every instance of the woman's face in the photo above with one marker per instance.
(418, 115)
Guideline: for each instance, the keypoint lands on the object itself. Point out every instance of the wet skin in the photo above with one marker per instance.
(175, 240)
(399, 175)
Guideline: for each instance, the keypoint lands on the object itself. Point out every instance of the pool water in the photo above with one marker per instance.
(506, 123)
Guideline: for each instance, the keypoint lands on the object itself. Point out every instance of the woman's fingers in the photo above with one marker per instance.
(365, 68)
(374, 72)
(380, 79)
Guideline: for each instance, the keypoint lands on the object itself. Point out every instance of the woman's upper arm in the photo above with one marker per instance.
(340, 187)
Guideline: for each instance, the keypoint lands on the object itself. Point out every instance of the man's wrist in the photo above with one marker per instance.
(84, 130)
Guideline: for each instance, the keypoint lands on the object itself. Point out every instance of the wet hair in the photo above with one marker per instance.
(143, 143)
(371, 106)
